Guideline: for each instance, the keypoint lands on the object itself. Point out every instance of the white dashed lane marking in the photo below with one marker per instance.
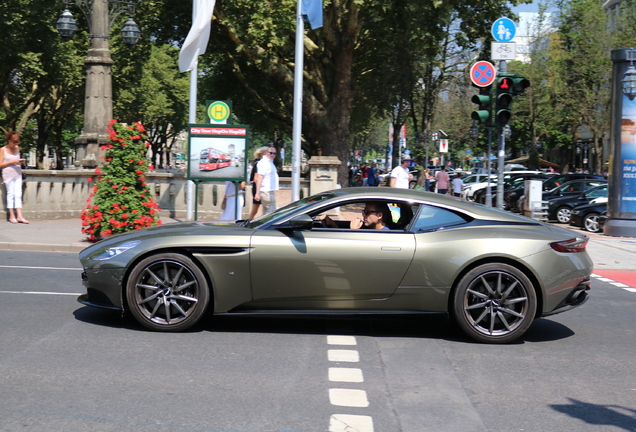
(345, 375)
(348, 423)
(613, 282)
(346, 397)
(350, 356)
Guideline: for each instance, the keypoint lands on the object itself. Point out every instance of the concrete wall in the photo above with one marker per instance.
(50, 194)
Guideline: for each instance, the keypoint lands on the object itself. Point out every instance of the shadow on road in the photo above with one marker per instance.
(601, 415)
(429, 326)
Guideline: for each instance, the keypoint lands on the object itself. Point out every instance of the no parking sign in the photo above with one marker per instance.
(483, 73)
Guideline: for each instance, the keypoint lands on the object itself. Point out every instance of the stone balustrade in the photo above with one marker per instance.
(52, 194)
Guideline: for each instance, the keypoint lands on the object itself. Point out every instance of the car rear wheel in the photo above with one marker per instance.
(167, 292)
(495, 303)
(563, 214)
(591, 224)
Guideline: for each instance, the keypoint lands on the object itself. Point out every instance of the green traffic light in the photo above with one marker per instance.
(484, 100)
(480, 116)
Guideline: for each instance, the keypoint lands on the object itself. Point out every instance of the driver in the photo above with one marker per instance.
(376, 215)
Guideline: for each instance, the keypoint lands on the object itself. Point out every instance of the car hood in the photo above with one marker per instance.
(174, 234)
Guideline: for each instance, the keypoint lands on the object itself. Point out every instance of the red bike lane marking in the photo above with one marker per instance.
(628, 277)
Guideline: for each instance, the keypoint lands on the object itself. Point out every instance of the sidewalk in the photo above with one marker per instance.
(64, 235)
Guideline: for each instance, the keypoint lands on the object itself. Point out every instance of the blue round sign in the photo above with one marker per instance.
(504, 30)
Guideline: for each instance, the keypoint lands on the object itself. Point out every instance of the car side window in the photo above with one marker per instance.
(432, 218)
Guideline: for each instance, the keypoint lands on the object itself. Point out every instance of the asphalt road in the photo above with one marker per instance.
(67, 367)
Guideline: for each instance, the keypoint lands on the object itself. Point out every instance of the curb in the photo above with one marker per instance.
(41, 247)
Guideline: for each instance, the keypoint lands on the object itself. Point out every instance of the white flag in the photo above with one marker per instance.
(197, 40)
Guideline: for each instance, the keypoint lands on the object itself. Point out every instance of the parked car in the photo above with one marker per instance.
(439, 256)
(587, 216)
(560, 208)
(511, 181)
(515, 198)
(468, 194)
(572, 187)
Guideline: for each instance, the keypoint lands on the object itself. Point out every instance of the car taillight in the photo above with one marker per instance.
(570, 246)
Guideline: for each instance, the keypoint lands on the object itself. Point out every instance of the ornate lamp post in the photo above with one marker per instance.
(629, 78)
(98, 107)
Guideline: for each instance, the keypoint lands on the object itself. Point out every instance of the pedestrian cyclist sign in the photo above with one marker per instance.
(504, 30)
(482, 73)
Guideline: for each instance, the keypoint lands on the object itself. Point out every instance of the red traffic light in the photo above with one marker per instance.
(505, 84)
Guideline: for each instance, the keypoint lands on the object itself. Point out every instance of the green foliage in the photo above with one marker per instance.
(119, 200)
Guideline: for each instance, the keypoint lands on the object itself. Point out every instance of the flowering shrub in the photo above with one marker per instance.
(119, 200)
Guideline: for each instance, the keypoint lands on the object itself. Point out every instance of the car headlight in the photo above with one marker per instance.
(116, 250)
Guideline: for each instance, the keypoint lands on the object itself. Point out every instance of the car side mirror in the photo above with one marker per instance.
(298, 223)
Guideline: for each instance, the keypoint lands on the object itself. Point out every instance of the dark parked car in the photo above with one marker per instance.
(587, 216)
(560, 208)
(573, 187)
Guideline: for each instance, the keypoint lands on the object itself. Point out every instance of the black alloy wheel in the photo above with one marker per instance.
(167, 292)
(495, 303)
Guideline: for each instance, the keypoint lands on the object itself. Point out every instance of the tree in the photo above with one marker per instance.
(580, 68)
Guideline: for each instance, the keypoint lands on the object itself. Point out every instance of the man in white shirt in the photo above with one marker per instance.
(400, 175)
(266, 181)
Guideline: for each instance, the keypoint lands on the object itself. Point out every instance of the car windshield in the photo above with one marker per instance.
(283, 211)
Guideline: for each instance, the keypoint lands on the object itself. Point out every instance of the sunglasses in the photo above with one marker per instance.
(272, 153)
(368, 212)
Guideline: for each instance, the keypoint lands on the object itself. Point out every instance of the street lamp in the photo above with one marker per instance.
(629, 79)
(98, 108)
(474, 131)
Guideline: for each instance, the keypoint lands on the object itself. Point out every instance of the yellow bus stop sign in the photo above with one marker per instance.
(218, 112)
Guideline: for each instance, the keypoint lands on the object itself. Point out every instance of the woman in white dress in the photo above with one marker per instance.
(229, 201)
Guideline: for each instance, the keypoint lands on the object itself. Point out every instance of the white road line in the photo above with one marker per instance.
(345, 375)
(604, 279)
(348, 398)
(343, 356)
(341, 340)
(41, 268)
(620, 285)
(630, 289)
(40, 292)
(348, 423)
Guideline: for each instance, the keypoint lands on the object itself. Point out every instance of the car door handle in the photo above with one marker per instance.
(391, 248)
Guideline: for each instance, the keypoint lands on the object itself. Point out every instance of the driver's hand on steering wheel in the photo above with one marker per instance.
(329, 222)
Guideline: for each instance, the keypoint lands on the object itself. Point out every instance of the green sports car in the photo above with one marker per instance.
(492, 271)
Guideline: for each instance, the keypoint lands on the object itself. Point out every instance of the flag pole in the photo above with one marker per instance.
(298, 103)
(192, 118)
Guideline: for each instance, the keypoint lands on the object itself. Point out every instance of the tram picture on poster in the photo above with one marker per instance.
(214, 157)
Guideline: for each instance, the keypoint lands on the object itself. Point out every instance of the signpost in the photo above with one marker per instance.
(503, 50)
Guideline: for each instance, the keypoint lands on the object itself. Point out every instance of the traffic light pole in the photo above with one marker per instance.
(489, 165)
(501, 151)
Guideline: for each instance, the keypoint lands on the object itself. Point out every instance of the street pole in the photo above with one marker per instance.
(503, 68)
(488, 188)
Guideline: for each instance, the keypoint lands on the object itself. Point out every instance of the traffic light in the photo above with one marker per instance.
(483, 99)
(519, 85)
(504, 98)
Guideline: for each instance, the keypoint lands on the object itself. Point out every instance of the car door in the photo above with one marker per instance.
(328, 264)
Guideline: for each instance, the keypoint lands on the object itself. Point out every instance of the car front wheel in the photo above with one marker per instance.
(563, 214)
(591, 224)
(167, 292)
(495, 303)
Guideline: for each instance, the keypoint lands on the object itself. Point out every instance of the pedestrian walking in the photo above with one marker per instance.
(267, 183)
(232, 205)
(401, 176)
(458, 185)
(10, 164)
(256, 204)
(442, 180)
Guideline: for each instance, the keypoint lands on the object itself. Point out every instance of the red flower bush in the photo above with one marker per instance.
(117, 202)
